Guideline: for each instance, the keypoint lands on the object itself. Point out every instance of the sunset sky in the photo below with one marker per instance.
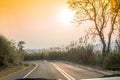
(40, 23)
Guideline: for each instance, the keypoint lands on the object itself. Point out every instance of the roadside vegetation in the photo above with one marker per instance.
(105, 17)
(11, 58)
(10, 53)
(80, 52)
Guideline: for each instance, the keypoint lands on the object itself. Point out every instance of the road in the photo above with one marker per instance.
(57, 70)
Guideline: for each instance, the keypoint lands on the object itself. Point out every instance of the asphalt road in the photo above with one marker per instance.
(57, 70)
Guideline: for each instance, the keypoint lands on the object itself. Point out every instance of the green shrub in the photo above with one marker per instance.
(112, 62)
(8, 52)
(4, 51)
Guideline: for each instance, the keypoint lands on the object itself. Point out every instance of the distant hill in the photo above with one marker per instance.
(34, 50)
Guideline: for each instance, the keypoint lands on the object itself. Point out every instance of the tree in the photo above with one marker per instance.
(102, 14)
(21, 50)
(115, 5)
(8, 52)
(4, 51)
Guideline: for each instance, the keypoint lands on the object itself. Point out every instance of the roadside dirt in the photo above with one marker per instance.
(6, 72)
(10, 70)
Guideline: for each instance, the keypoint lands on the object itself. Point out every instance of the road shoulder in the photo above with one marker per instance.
(104, 72)
(11, 71)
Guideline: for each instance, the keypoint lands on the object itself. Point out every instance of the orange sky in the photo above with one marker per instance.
(36, 22)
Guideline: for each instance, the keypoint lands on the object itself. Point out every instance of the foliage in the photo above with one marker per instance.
(9, 54)
(112, 62)
(21, 50)
(103, 14)
(81, 52)
(100, 13)
(4, 51)
(77, 51)
(115, 5)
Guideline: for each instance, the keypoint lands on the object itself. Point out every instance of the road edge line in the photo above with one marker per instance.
(36, 65)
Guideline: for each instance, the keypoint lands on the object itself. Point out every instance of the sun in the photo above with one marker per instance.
(66, 16)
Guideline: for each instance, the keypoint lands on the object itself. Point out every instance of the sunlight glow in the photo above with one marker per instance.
(66, 16)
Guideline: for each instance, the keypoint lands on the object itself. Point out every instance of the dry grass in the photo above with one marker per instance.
(9, 70)
(13, 70)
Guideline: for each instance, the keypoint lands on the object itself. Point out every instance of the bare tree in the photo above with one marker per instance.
(101, 14)
(115, 4)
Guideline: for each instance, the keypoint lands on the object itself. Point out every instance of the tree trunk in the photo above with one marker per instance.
(104, 50)
(113, 19)
(109, 41)
(103, 44)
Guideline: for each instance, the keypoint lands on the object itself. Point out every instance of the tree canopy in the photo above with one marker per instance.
(104, 14)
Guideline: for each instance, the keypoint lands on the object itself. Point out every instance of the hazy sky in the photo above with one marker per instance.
(37, 22)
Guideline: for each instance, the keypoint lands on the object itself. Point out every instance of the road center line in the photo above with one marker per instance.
(36, 65)
(63, 72)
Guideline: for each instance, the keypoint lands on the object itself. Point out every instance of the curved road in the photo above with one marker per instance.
(56, 70)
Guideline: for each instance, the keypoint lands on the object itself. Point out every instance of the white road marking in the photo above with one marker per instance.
(36, 65)
(69, 77)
